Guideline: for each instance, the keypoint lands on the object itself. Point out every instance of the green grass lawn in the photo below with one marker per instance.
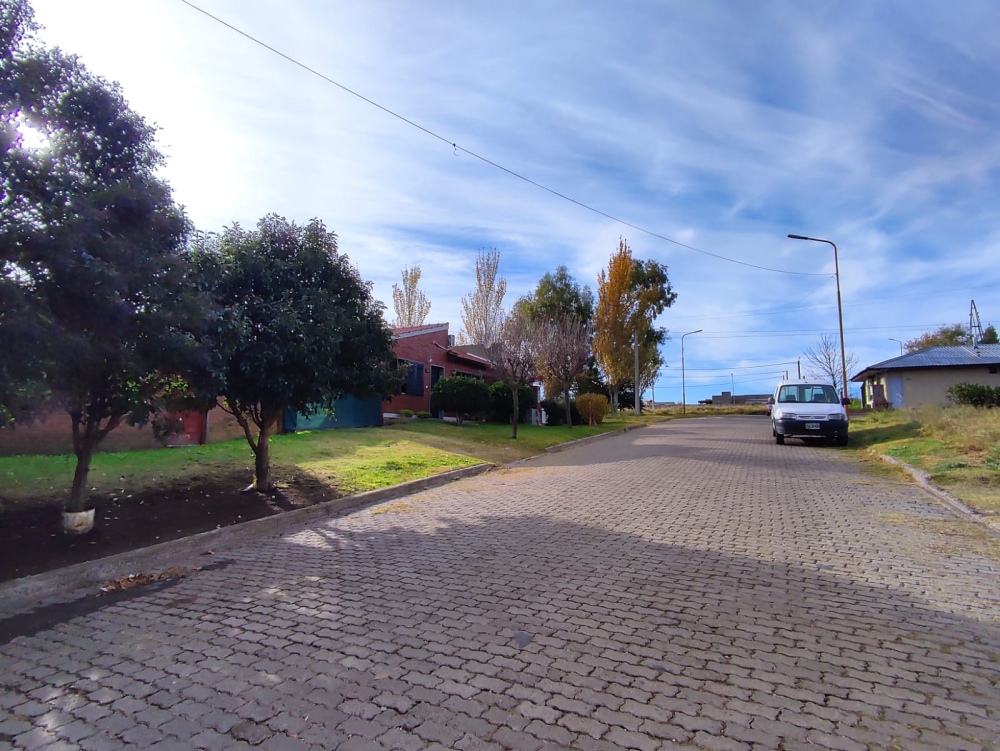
(959, 447)
(350, 460)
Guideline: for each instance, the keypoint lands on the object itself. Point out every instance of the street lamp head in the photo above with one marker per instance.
(799, 237)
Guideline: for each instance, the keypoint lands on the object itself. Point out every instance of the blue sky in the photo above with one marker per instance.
(720, 125)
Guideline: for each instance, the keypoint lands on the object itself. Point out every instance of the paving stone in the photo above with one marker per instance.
(690, 584)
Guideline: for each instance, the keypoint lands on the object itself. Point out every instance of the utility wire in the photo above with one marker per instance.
(486, 160)
(820, 306)
(738, 367)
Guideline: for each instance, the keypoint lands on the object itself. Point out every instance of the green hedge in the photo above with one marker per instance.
(975, 394)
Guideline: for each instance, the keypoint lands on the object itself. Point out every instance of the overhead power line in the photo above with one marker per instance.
(487, 160)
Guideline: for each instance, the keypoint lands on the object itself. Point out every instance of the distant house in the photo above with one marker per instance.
(425, 354)
(924, 377)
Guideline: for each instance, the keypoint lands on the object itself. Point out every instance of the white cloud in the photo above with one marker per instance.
(722, 125)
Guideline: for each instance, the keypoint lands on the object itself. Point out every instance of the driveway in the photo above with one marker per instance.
(686, 585)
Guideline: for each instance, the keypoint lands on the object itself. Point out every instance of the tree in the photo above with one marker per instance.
(92, 274)
(502, 406)
(558, 295)
(630, 295)
(990, 335)
(411, 304)
(563, 351)
(947, 335)
(482, 311)
(301, 327)
(461, 395)
(650, 359)
(651, 286)
(612, 321)
(513, 355)
(823, 362)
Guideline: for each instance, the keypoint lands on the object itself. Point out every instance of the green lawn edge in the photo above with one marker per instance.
(350, 460)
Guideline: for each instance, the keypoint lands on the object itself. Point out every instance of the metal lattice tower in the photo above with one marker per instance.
(975, 326)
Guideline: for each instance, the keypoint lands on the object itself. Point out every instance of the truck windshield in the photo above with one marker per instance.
(815, 393)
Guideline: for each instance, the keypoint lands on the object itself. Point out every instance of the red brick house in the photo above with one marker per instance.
(426, 354)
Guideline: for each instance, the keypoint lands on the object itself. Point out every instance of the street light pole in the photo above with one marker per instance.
(683, 389)
(840, 309)
(900, 345)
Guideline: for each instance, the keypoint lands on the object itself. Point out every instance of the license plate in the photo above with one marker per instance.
(812, 426)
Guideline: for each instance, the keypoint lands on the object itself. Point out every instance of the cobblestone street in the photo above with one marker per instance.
(686, 585)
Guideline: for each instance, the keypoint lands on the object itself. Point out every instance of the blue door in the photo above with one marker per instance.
(896, 391)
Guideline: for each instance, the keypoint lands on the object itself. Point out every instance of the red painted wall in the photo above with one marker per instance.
(428, 345)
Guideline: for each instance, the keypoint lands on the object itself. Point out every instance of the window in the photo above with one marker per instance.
(808, 393)
(463, 374)
(413, 380)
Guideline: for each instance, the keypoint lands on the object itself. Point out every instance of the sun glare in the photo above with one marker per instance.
(31, 137)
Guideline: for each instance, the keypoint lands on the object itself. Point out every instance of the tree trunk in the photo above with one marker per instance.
(262, 461)
(614, 398)
(569, 411)
(84, 441)
(263, 482)
(513, 417)
(87, 434)
(84, 454)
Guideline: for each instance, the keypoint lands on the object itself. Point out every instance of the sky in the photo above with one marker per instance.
(711, 129)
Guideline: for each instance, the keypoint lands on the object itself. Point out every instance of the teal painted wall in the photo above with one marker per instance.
(349, 412)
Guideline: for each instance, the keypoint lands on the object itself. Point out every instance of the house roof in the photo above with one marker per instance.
(471, 353)
(961, 356)
(403, 332)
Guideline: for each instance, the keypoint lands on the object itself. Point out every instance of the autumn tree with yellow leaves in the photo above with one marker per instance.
(630, 295)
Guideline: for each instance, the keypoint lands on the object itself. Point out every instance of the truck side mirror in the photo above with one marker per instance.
(845, 402)
(770, 400)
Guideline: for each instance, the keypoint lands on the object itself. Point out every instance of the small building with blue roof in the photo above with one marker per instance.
(924, 377)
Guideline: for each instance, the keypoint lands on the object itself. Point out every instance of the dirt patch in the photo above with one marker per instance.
(32, 542)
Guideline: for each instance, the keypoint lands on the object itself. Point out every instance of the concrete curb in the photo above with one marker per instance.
(81, 579)
(955, 504)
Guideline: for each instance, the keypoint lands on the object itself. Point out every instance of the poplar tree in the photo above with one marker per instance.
(411, 304)
(482, 311)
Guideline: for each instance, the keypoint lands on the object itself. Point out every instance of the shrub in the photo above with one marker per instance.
(592, 407)
(424, 414)
(406, 413)
(974, 394)
(503, 403)
(461, 396)
(556, 412)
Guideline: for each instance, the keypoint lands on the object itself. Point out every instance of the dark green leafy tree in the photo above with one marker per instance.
(558, 295)
(462, 396)
(502, 408)
(990, 335)
(93, 280)
(300, 327)
(561, 311)
(948, 335)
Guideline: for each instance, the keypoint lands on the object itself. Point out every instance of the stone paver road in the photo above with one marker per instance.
(687, 585)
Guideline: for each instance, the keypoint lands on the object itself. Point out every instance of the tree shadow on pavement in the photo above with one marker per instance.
(432, 621)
